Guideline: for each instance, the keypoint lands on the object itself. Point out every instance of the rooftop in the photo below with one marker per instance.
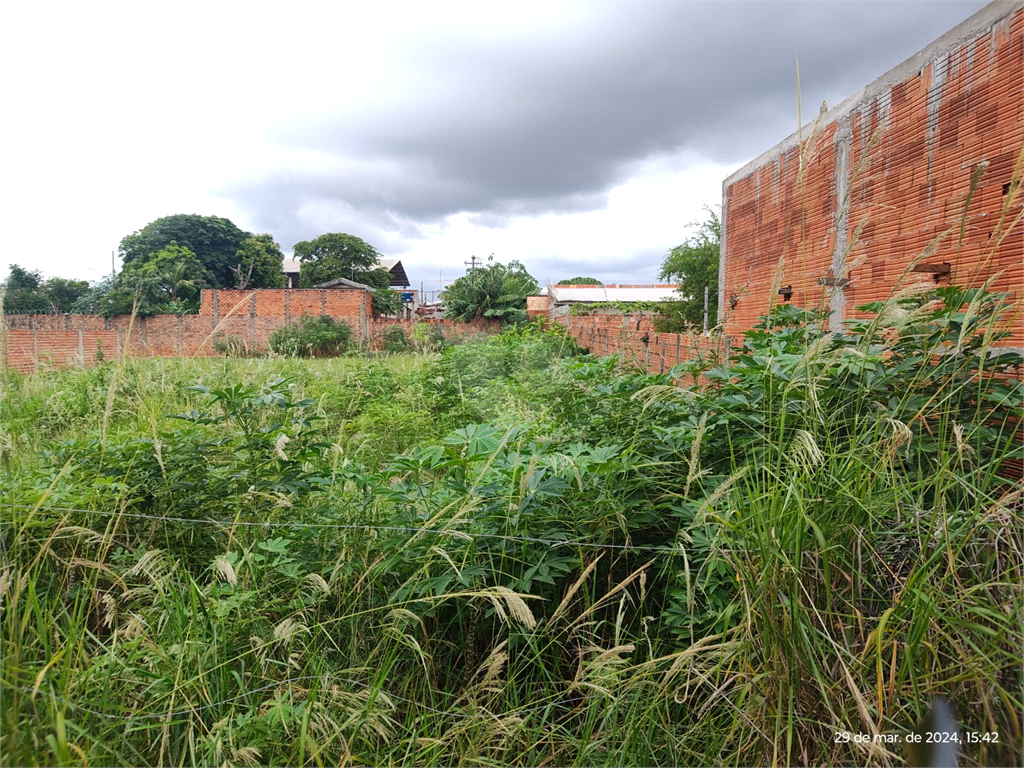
(563, 294)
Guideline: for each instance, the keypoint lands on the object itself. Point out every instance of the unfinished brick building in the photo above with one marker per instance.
(850, 203)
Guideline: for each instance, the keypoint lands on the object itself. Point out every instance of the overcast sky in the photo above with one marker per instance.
(579, 138)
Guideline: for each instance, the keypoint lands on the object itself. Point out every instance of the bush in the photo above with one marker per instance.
(428, 338)
(232, 346)
(393, 339)
(314, 337)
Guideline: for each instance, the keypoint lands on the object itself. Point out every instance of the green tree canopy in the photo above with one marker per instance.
(167, 282)
(214, 241)
(580, 281)
(260, 264)
(26, 293)
(335, 255)
(496, 291)
(63, 293)
(694, 265)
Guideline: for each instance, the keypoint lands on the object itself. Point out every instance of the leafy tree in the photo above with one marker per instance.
(166, 283)
(387, 301)
(91, 302)
(496, 291)
(63, 293)
(694, 265)
(24, 293)
(214, 241)
(580, 281)
(335, 255)
(138, 290)
(260, 264)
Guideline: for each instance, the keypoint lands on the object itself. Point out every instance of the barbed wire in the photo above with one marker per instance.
(363, 527)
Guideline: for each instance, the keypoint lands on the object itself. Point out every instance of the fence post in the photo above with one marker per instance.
(662, 356)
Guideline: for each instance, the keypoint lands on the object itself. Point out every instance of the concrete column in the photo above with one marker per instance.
(252, 321)
(35, 348)
(81, 347)
(287, 305)
(145, 337)
(837, 301)
(323, 302)
(181, 334)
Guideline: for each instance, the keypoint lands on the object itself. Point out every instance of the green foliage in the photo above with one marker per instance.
(260, 264)
(335, 255)
(312, 337)
(580, 281)
(232, 346)
(386, 302)
(158, 285)
(694, 265)
(26, 293)
(496, 291)
(214, 241)
(393, 339)
(384, 558)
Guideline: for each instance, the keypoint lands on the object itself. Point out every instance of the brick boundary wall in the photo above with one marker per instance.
(624, 335)
(35, 342)
(30, 351)
(884, 174)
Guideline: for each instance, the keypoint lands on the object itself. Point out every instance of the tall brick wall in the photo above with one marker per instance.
(885, 174)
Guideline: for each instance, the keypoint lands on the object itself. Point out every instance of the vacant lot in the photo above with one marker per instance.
(511, 552)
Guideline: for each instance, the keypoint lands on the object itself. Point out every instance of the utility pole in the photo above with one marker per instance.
(113, 271)
(473, 261)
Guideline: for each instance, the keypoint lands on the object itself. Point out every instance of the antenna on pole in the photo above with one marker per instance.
(472, 263)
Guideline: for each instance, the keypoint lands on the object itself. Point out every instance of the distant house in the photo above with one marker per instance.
(398, 277)
(560, 298)
(343, 284)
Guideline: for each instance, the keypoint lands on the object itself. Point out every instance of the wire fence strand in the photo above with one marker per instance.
(362, 527)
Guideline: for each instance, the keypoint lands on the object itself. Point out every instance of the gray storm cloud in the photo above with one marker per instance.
(551, 124)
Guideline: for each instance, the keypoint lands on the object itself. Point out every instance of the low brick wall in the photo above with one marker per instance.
(29, 351)
(634, 339)
(36, 342)
(450, 329)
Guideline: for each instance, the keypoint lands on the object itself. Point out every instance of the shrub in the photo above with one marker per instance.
(393, 339)
(428, 338)
(314, 337)
(231, 346)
